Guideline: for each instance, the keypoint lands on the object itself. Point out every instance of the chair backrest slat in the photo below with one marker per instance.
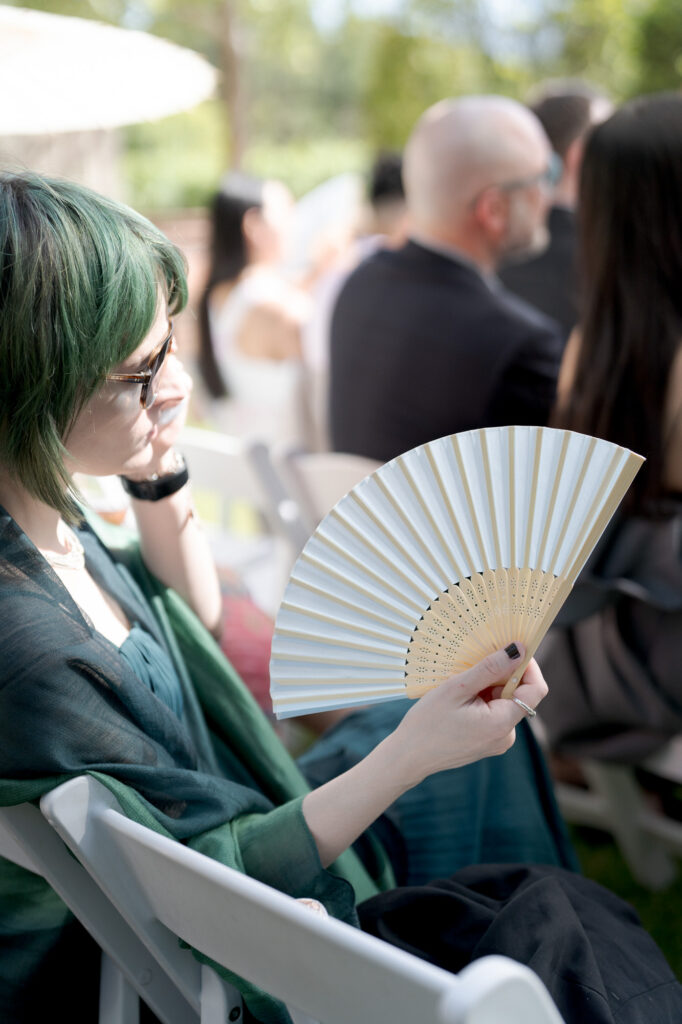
(326, 969)
(27, 839)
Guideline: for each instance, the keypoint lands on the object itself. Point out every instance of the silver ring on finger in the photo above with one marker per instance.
(531, 712)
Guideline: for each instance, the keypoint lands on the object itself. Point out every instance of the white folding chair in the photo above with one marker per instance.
(317, 480)
(321, 968)
(230, 472)
(128, 969)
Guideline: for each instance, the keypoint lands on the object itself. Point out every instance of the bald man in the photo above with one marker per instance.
(425, 340)
(567, 110)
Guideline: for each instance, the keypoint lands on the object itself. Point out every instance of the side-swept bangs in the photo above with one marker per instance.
(79, 283)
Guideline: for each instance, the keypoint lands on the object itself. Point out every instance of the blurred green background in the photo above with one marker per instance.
(314, 87)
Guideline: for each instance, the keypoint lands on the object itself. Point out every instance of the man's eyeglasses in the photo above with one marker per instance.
(550, 176)
(148, 378)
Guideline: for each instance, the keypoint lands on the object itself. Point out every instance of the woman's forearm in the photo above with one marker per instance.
(340, 810)
(176, 550)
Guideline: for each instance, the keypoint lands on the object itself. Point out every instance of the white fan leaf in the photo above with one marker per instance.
(440, 557)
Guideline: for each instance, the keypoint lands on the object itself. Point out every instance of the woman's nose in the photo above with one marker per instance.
(174, 379)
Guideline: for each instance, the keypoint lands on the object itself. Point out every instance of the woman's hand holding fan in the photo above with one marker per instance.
(465, 718)
(462, 720)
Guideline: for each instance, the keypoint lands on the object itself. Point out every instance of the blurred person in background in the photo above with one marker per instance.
(549, 279)
(383, 224)
(425, 341)
(251, 315)
(616, 688)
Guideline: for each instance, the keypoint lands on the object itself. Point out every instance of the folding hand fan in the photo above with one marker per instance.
(440, 557)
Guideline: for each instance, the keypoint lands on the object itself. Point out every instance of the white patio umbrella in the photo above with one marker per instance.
(62, 74)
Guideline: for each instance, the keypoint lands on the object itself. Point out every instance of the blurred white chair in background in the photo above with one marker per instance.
(254, 524)
(317, 480)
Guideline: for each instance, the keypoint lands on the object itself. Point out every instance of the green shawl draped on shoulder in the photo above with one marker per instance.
(219, 780)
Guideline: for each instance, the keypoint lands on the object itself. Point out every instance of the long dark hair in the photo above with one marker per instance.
(229, 257)
(630, 218)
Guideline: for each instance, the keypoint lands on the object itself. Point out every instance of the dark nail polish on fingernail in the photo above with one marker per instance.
(512, 652)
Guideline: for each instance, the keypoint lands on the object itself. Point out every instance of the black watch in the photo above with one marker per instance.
(157, 487)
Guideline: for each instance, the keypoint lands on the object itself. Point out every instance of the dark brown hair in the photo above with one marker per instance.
(229, 256)
(565, 113)
(630, 217)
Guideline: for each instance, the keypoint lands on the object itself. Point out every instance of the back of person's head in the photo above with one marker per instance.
(567, 109)
(238, 194)
(229, 256)
(631, 258)
(80, 277)
(386, 194)
(467, 148)
(386, 178)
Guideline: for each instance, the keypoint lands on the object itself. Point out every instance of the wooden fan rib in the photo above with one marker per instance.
(392, 538)
(336, 699)
(593, 514)
(453, 518)
(293, 634)
(565, 584)
(625, 477)
(552, 499)
(469, 500)
(499, 591)
(353, 529)
(353, 584)
(342, 681)
(530, 513)
(573, 502)
(462, 575)
(407, 473)
(426, 634)
(491, 499)
(363, 567)
(283, 658)
(512, 497)
(344, 623)
(467, 592)
(497, 585)
(409, 621)
(438, 581)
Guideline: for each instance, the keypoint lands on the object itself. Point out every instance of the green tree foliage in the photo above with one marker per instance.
(593, 39)
(659, 43)
(301, 102)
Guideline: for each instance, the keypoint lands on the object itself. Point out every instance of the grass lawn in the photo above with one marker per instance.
(660, 912)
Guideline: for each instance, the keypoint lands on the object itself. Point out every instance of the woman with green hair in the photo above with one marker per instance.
(105, 669)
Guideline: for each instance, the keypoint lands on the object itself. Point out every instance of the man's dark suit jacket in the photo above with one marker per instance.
(423, 345)
(549, 281)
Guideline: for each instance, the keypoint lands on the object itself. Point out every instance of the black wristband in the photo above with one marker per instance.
(156, 488)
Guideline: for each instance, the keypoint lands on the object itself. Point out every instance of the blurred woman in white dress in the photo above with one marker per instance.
(251, 316)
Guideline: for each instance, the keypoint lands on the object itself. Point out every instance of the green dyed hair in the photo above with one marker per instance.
(79, 282)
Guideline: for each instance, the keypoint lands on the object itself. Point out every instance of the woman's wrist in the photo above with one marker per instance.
(170, 475)
(167, 462)
(399, 754)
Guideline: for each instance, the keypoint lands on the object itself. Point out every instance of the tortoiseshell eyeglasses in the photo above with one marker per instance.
(148, 378)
